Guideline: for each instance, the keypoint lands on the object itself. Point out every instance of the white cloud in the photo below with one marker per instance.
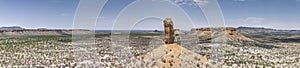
(262, 22)
(243, 0)
(253, 20)
(239, 0)
(201, 2)
(190, 2)
(248, 20)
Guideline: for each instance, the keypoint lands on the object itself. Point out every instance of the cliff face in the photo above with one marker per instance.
(231, 34)
(39, 32)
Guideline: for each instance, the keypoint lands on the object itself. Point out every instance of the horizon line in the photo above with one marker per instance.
(144, 29)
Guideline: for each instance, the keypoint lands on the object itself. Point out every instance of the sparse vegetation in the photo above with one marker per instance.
(57, 50)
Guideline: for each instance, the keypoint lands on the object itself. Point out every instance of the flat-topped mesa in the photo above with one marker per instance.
(169, 31)
(230, 33)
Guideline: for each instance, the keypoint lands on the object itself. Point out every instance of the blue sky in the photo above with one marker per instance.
(58, 14)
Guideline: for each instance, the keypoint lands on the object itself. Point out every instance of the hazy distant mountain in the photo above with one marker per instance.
(266, 31)
(11, 28)
(19, 31)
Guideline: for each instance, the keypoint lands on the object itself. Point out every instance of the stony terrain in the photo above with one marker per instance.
(148, 50)
(254, 50)
(172, 56)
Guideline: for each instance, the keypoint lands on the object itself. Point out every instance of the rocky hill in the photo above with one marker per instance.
(231, 34)
(173, 56)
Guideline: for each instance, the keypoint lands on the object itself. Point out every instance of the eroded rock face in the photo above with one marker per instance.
(173, 56)
(169, 31)
(230, 33)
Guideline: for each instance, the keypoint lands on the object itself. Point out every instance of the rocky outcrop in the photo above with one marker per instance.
(230, 33)
(169, 31)
(173, 56)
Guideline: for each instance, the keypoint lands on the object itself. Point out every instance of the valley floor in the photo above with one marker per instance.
(59, 51)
